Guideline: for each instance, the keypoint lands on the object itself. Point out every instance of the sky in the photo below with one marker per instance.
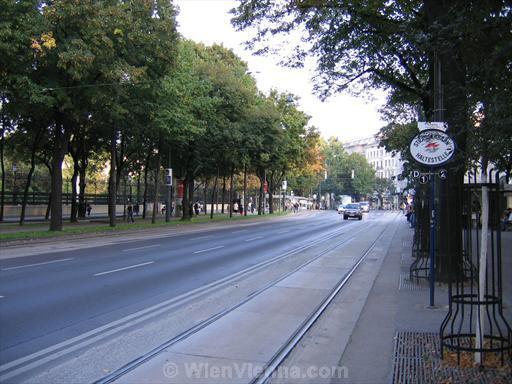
(342, 116)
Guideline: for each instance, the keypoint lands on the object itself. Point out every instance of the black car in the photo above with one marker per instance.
(353, 210)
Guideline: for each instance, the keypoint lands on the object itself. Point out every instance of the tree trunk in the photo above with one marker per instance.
(271, 194)
(35, 143)
(27, 187)
(261, 203)
(83, 183)
(145, 194)
(60, 144)
(185, 201)
(245, 190)
(482, 272)
(214, 191)
(205, 197)
(2, 160)
(223, 193)
(454, 104)
(191, 197)
(157, 179)
(112, 182)
(74, 194)
(231, 176)
(137, 201)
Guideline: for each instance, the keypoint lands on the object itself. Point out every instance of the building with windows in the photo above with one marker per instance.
(386, 165)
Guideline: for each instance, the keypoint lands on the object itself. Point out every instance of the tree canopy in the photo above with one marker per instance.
(112, 86)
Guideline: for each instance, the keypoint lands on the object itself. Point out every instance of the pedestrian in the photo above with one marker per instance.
(129, 210)
(196, 208)
(88, 208)
(506, 219)
(412, 218)
(408, 211)
(235, 207)
(241, 209)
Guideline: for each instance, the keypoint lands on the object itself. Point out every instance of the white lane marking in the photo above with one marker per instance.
(209, 249)
(136, 249)
(254, 238)
(201, 237)
(280, 233)
(123, 269)
(37, 264)
(1, 297)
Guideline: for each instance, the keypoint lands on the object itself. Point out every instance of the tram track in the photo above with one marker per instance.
(283, 352)
(301, 331)
(31, 364)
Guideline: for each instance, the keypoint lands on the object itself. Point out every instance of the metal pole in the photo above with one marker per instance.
(168, 202)
(432, 235)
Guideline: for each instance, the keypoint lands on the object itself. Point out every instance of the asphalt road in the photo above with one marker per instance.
(49, 298)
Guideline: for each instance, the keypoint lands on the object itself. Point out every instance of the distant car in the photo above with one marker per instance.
(353, 210)
(341, 209)
(365, 206)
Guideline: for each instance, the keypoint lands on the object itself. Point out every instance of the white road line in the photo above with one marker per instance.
(1, 297)
(136, 249)
(123, 269)
(280, 233)
(254, 238)
(37, 264)
(202, 237)
(209, 249)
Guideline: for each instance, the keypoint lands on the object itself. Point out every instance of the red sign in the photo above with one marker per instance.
(181, 188)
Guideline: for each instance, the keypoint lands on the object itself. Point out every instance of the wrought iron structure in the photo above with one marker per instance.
(464, 329)
(420, 267)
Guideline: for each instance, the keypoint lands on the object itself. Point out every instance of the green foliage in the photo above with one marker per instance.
(394, 45)
(339, 167)
(113, 80)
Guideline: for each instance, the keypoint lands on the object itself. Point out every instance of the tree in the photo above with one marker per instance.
(289, 153)
(383, 188)
(398, 46)
(185, 107)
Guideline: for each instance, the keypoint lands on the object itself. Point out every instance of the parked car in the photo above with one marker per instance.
(353, 210)
(341, 209)
(365, 206)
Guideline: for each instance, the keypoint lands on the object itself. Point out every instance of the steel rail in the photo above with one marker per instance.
(191, 331)
(292, 342)
(26, 363)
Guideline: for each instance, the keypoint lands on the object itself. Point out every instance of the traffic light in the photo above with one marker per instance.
(168, 176)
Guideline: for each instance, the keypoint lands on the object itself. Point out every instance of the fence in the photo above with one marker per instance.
(475, 321)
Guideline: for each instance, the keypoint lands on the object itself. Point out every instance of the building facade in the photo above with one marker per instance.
(385, 164)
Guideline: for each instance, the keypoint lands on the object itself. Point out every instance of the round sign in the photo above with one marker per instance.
(432, 147)
(443, 174)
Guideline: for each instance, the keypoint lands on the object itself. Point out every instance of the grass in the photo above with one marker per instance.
(79, 228)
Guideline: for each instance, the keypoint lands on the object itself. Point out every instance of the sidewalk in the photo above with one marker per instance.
(378, 330)
(396, 339)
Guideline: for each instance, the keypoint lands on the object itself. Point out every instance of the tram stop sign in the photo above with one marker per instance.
(432, 147)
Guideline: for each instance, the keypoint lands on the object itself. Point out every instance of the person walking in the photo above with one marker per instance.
(129, 210)
(88, 208)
